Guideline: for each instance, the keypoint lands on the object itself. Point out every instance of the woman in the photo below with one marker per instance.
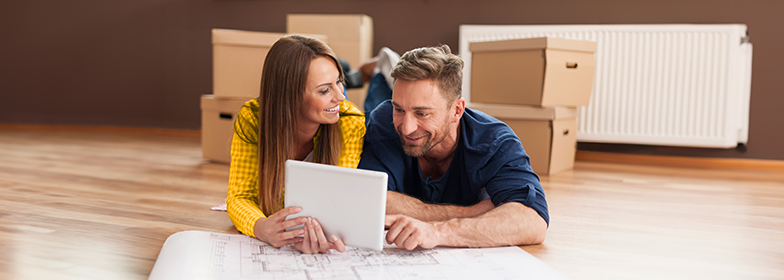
(301, 114)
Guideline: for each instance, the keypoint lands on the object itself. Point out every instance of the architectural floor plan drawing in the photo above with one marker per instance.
(205, 255)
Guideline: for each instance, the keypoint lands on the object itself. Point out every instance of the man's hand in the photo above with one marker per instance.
(273, 229)
(409, 233)
(315, 242)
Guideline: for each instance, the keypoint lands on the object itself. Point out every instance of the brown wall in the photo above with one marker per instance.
(146, 62)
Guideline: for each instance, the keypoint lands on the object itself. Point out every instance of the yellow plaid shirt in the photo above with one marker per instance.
(243, 202)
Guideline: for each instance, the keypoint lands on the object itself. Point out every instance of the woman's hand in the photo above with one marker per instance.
(273, 229)
(314, 240)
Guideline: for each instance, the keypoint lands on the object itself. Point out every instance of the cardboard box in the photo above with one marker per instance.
(217, 126)
(548, 134)
(538, 71)
(350, 36)
(237, 60)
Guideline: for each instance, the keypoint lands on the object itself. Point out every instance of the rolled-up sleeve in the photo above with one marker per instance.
(513, 180)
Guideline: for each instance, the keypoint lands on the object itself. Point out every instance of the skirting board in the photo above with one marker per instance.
(678, 161)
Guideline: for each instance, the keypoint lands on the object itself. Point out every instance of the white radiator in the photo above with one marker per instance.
(672, 84)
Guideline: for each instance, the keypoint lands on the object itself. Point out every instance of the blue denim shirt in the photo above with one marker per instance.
(489, 161)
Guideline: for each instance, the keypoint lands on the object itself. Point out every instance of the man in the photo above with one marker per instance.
(457, 177)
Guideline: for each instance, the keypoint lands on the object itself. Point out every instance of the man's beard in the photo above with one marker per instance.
(418, 151)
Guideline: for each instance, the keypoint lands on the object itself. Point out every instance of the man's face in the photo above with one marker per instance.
(421, 115)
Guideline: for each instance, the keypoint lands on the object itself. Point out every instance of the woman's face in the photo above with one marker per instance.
(323, 93)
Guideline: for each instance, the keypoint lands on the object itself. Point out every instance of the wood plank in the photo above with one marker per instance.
(621, 221)
(98, 204)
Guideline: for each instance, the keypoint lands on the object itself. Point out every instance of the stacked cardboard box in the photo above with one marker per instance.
(238, 58)
(350, 36)
(217, 126)
(534, 85)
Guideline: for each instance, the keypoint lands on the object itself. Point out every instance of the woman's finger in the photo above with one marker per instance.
(283, 225)
(323, 244)
(290, 241)
(338, 244)
(292, 234)
(283, 213)
(314, 246)
(306, 246)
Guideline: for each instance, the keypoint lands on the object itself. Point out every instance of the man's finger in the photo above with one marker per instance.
(389, 220)
(411, 243)
(394, 230)
(392, 233)
(415, 238)
(405, 236)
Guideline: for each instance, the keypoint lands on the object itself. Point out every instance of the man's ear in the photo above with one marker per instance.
(458, 110)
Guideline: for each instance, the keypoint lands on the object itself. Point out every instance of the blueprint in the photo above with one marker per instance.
(206, 255)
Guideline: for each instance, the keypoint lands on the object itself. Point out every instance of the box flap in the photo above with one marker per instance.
(534, 43)
(244, 38)
(523, 112)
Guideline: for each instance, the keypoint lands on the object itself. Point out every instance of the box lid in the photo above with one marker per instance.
(339, 27)
(252, 38)
(244, 38)
(210, 103)
(523, 112)
(534, 43)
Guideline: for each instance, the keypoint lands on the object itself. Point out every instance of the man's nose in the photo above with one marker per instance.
(408, 124)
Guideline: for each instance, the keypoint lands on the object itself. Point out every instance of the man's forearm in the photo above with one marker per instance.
(398, 203)
(509, 224)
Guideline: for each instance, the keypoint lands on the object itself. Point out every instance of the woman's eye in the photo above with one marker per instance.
(324, 91)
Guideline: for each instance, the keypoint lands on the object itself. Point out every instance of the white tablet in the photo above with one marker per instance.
(348, 203)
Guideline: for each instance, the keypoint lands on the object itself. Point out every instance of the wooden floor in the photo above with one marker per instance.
(92, 204)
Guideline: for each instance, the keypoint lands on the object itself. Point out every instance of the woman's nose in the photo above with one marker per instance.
(341, 92)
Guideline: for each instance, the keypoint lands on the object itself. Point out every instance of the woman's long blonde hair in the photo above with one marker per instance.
(282, 88)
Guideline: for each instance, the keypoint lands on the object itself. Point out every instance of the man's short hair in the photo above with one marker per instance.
(433, 63)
